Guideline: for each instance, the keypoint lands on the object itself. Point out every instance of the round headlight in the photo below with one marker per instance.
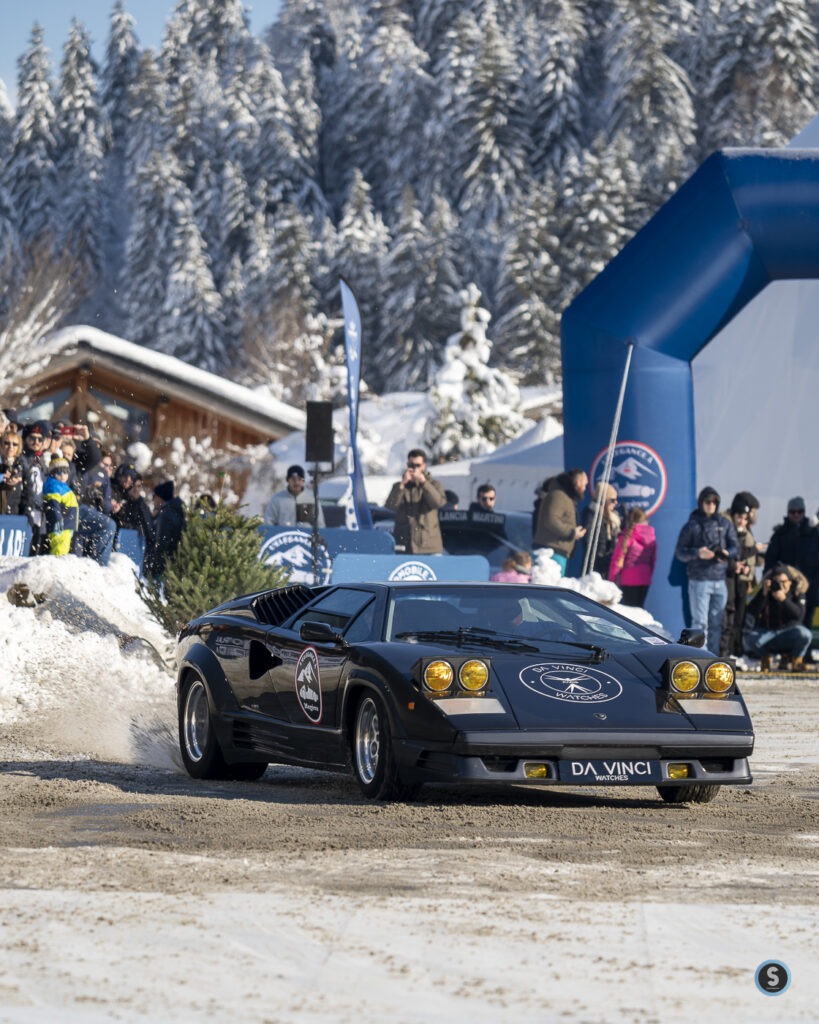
(719, 677)
(473, 675)
(685, 676)
(438, 676)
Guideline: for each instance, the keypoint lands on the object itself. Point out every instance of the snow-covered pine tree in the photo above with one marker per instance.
(649, 97)
(191, 324)
(477, 408)
(530, 291)
(553, 85)
(30, 173)
(360, 249)
(421, 280)
(81, 135)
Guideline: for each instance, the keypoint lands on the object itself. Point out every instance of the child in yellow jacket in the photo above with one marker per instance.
(61, 508)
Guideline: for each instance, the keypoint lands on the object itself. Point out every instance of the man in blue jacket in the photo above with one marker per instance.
(705, 544)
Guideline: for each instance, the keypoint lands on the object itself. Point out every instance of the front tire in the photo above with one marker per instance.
(703, 793)
(373, 759)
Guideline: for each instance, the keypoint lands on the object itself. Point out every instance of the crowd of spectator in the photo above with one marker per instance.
(77, 493)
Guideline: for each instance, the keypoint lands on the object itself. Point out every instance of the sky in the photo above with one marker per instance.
(55, 18)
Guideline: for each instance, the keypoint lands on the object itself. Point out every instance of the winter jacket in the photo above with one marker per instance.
(417, 529)
(31, 500)
(795, 544)
(637, 554)
(61, 515)
(767, 613)
(168, 527)
(557, 517)
(11, 496)
(510, 576)
(706, 531)
(609, 532)
(283, 509)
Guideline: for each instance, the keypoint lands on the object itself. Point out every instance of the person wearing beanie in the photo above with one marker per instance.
(293, 506)
(795, 542)
(168, 526)
(605, 499)
(739, 579)
(61, 508)
(128, 505)
(705, 544)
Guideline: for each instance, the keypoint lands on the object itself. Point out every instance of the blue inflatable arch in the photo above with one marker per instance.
(744, 218)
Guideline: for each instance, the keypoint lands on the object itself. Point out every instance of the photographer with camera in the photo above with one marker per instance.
(777, 614)
(706, 544)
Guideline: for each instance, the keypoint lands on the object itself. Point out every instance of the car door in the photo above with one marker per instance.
(307, 675)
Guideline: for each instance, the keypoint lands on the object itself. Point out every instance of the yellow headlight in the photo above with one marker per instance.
(685, 676)
(438, 676)
(719, 677)
(473, 675)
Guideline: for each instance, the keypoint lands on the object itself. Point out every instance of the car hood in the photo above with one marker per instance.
(624, 691)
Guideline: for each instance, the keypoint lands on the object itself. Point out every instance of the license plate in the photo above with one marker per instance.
(613, 772)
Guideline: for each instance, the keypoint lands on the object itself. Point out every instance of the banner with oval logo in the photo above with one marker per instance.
(638, 474)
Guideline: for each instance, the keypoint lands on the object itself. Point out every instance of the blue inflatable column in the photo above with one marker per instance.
(654, 460)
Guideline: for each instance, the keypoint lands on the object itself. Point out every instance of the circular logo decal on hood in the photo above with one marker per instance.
(571, 683)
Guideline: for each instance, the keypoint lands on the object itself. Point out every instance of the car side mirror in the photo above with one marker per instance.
(320, 633)
(692, 638)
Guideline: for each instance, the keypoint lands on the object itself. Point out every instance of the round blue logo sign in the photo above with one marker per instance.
(638, 475)
(293, 550)
(412, 571)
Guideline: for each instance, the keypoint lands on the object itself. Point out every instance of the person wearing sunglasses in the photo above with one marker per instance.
(35, 436)
(776, 616)
(416, 499)
(11, 474)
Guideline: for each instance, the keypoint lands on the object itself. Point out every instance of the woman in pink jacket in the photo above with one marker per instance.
(634, 557)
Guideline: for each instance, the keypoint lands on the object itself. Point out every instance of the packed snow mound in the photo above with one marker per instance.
(83, 661)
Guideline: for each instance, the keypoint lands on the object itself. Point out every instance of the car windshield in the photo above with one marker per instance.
(528, 613)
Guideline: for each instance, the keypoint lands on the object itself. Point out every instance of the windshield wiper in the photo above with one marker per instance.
(468, 634)
(598, 654)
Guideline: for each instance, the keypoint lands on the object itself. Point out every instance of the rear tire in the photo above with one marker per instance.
(201, 753)
(702, 793)
(372, 752)
(198, 745)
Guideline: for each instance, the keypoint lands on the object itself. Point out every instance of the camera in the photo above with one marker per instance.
(777, 586)
(719, 554)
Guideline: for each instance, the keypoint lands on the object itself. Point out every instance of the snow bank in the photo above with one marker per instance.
(78, 648)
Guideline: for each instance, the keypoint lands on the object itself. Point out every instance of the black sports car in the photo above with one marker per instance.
(432, 682)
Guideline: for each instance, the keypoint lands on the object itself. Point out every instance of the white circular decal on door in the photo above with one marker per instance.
(308, 684)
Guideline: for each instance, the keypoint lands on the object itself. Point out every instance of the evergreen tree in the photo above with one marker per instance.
(144, 282)
(554, 85)
(30, 173)
(217, 558)
(421, 281)
(477, 408)
(530, 291)
(191, 325)
(361, 246)
(81, 134)
(649, 100)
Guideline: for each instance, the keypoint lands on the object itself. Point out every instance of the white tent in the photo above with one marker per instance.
(515, 470)
(755, 397)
